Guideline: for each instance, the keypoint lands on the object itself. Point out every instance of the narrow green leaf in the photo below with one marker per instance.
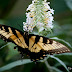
(58, 64)
(48, 66)
(62, 63)
(57, 70)
(14, 64)
(5, 45)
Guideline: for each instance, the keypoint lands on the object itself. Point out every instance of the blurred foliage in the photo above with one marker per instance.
(12, 13)
(69, 3)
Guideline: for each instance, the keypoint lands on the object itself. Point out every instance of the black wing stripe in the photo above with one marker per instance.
(26, 37)
(6, 28)
(14, 32)
(20, 41)
(36, 40)
(1, 27)
(45, 40)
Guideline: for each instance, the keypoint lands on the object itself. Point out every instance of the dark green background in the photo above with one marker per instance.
(12, 13)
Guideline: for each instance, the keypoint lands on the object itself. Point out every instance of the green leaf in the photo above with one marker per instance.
(50, 68)
(57, 70)
(65, 57)
(14, 64)
(11, 52)
(5, 45)
(62, 63)
(69, 3)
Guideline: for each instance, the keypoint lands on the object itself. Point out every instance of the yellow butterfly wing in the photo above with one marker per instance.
(46, 45)
(40, 46)
(13, 35)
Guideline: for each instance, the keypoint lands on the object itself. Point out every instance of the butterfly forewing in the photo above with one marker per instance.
(13, 35)
(48, 45)
(57, 48)
(40, 46)
(33, 45)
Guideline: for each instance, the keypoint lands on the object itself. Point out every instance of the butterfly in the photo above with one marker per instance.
(34, 46)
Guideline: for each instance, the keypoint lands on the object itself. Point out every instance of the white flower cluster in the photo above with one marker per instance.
(39, 14)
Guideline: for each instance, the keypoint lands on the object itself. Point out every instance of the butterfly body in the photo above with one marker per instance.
(34, 46)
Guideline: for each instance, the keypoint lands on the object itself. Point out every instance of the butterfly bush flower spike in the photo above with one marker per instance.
(39, 15)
